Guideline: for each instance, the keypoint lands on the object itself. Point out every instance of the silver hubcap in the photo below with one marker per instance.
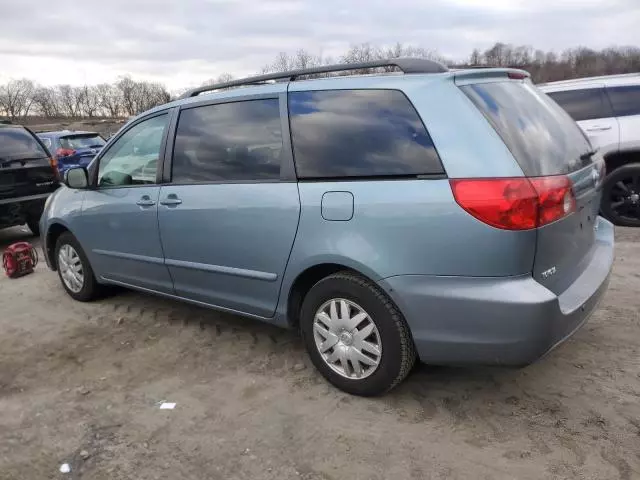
(347, 338)
(70, 267)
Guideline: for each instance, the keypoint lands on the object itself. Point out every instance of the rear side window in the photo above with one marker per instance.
(75, 142)
(541, 136)
(19, 144)
(359, 133)
(625, 100)
(584, 104)
(227, 142)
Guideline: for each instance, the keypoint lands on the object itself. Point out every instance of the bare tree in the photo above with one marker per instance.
(67, 97)
(475, 58)
(16, 98)
(110, 99)
(127, 87)
(301, 59)
(222, 78)
(89, 100)
(46, 101)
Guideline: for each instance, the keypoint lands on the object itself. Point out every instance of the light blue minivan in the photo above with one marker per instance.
(449, 216)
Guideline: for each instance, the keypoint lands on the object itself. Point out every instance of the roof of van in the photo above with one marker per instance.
(245, 87)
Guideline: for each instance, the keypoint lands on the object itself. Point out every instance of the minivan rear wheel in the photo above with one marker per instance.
(355, 336)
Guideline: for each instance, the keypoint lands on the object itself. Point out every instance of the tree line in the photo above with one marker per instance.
(125, 97)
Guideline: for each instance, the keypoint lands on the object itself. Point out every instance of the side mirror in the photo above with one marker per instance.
(76, 178)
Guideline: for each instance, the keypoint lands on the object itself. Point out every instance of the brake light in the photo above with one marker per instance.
(65, 152)
(517, 75)
(515, 203)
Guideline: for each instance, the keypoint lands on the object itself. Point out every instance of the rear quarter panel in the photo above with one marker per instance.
(404, 227)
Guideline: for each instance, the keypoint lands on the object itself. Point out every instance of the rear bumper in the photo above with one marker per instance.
(499, 321)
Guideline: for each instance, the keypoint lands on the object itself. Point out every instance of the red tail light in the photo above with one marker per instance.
(555, 198)
(516, 203)
(65, 152)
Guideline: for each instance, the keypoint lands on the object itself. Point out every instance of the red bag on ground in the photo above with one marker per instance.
(19, 259)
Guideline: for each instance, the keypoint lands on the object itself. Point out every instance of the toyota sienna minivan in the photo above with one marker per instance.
(449, 216)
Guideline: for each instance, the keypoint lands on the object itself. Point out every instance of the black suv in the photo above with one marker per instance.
(27, 177)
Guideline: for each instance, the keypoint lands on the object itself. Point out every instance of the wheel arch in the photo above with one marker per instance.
(55, 229)
(307, 278)
(615, 160)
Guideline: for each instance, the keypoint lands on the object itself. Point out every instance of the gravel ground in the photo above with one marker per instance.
(80, 384)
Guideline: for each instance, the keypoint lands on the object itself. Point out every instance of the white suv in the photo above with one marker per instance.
(608, 111)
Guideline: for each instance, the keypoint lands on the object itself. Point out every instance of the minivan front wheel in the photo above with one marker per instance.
(74, 269)
(355, 335)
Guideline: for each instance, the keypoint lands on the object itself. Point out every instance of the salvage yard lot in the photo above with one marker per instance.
(80, 384)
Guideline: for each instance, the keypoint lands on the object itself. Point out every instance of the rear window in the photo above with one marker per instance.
(19, 144)
(541, 136)
(584, 104)
(625, 100)
(359, 133)
(75, 142)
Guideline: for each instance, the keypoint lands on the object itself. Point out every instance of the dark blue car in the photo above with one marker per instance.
(72, 148)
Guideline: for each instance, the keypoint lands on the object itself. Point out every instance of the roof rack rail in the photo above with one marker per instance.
(406, 64)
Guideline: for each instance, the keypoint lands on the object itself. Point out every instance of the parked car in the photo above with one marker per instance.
(27, 177)
(72, 148)
(608, 111)
(446, 215)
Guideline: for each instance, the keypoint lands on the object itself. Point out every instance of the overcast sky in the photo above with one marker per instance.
(184, 42)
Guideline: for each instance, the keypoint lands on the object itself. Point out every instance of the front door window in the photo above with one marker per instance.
(133, 158)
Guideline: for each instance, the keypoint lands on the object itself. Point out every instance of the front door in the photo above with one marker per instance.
(229, 216)
(119, 220)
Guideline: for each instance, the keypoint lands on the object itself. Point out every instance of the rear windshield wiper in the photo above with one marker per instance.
(588, 155)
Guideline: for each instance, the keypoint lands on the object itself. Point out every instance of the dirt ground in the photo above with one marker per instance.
(80, 384)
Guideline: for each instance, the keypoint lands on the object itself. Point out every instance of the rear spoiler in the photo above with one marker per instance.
(465, 76)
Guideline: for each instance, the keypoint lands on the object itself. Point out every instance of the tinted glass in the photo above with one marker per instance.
(359, 133)
(625, 100)
(82, 141)
(19, 144)
(583, 104)
(47, 142)
(541, 136)
(230, 141)
(133, 158)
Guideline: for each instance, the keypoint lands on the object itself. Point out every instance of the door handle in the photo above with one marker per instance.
(145, 201)
(599, 128)
(171, 200)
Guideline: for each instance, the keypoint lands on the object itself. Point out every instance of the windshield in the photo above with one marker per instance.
(18, 144)
(541, 136)
(75, 142)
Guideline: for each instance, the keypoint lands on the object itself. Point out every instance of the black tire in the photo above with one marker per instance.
(91, 289)
(34, 225)
(398, 350)
(628, 215)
